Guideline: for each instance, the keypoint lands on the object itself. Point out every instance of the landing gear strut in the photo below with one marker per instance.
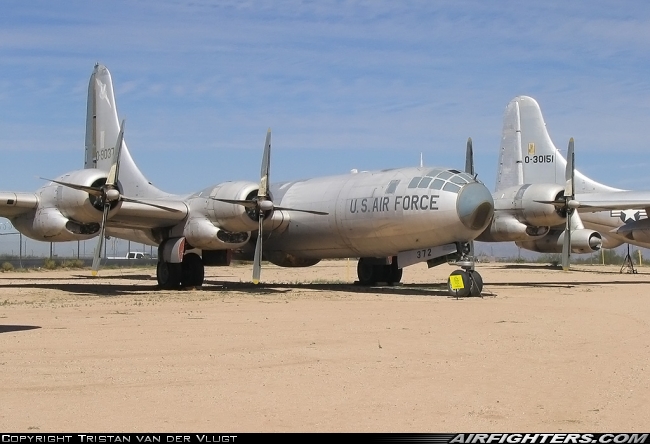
(372, 270)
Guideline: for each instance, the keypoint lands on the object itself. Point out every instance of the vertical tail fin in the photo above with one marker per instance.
(510, 171)
(102, 129)
(540, 160)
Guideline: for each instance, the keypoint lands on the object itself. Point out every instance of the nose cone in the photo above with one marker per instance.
(475, 206)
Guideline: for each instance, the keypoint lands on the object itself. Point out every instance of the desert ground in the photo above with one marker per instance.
(542, 350)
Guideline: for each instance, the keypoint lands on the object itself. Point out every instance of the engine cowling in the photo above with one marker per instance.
(524, 203)
(505, 227)
(203, 234)
(638, 230)
(74, 204)
(582, 241)
(231, 217)
(49, 225)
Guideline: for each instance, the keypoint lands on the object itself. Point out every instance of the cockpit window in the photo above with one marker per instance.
(445, 175)
(424, 183)
(458, 179)
(414, 182)
(451, 187)
(392, 186)
(434, 172)
(437, 184)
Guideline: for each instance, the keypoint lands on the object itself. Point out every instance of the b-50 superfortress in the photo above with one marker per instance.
(388, 219)
(545, 205)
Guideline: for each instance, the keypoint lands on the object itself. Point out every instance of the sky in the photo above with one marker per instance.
(343, 84)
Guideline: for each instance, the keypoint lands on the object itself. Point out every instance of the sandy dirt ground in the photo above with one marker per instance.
(543, 350)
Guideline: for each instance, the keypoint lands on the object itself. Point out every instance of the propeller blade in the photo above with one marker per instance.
(469, 169)
(162, 207)
(570, 172)
(266, 166)
(557, 203)
(246, 203)
(100, 242)
(115, 168)
(257, 260)
(566, 245)
(469, 158)
(90, 190)
(318, 213)
(569, 195)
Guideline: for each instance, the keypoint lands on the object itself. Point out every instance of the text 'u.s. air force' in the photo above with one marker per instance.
(424, 202)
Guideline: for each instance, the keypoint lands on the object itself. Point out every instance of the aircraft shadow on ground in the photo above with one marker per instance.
(13, 328)
(561, 284)
(558, 268)
(82, 284)
(85, 285)
(439, 289)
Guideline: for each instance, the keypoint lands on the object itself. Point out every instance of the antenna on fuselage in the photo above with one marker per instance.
(421, 160)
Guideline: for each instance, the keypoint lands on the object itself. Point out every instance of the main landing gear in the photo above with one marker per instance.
(371, 270)
(189, 273)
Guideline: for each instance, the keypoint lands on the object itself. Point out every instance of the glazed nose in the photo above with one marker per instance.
(475, 206)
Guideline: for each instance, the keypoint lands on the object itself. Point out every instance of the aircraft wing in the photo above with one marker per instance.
(13, 204)
(149, 213)
(615, 200)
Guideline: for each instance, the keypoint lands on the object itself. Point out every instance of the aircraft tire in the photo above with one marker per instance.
(459, 291)
(394, 274)
(168, 275)
(477, 283)
(192, 271)
(366, 272)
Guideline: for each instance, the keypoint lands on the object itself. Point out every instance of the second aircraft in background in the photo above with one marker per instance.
(540, 197)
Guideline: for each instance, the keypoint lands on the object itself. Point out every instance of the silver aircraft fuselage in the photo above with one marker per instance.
(378, 213)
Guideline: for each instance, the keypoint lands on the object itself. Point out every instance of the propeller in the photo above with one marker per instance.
(569, 198)
(110, 194)
(263, 204)
(107, 195)
(469, 169)
(567, 204)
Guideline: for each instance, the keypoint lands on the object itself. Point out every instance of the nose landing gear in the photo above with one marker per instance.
(467, 281)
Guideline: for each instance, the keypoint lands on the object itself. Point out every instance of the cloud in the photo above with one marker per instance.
(364, 77)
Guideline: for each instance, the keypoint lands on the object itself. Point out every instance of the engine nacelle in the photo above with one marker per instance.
(232, 217)
(582, 241)
(201, 233)
(76, 204)
(505, 227)
(49, 225)
(523, 202)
